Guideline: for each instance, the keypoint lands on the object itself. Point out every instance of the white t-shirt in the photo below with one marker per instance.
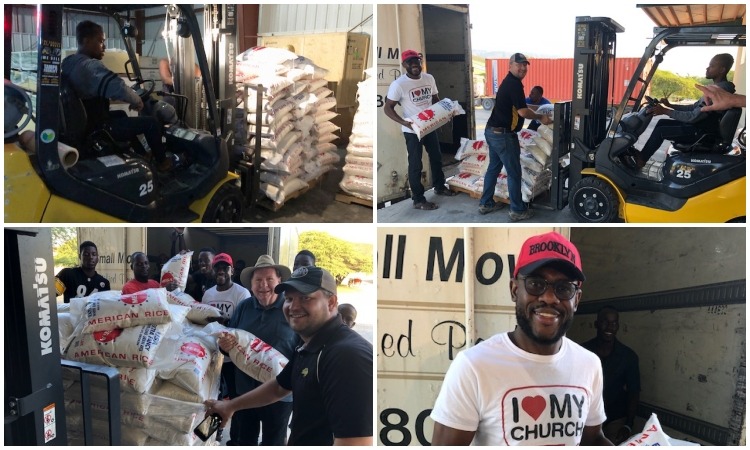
(511, 397)
(227, 300)
(414, 95)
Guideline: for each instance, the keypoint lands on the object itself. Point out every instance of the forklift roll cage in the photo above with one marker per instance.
(168, 203)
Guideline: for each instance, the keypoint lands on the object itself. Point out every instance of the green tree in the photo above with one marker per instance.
(337, 256)
(666, 84)
(64, 246)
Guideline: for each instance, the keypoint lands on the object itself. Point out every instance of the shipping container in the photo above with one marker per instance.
(442, 34)
(680, 293)
(555, 76)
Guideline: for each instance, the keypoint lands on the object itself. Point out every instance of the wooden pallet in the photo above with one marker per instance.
(266, 203)
(476, 195)
(349, 199)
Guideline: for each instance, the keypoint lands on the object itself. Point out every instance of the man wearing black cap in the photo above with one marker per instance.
(330, 374)
(416, 91)
(530, 386)
(505, 121)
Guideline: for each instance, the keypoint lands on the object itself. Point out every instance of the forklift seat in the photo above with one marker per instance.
(713, 143)
(74, 130)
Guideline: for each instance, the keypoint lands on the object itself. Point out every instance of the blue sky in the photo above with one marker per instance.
(550, 33)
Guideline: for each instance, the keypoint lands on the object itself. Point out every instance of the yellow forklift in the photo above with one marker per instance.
(704, 182)
(110, 182)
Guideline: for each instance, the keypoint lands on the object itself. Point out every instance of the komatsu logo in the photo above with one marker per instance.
(579, 84)
(42, 301)
(132, 171)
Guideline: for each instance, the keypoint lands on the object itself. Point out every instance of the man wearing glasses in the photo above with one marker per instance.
(530, 386)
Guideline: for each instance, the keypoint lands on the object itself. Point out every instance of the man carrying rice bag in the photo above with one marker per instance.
(416, 91)
(505, 121)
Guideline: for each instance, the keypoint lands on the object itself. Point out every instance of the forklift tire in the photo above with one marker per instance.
(593, 200)
(488, 104)
(225, 206)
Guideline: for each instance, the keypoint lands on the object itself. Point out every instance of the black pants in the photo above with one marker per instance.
(414, 146)
(125, 128)
(246, 425)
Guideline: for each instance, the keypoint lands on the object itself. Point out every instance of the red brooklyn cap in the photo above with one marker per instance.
(408, 54)
(221, 258)
(550, 249)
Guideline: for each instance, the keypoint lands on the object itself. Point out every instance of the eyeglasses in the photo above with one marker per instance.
(564, 290)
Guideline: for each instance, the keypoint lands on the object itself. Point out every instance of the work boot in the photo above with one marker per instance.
(516, 216)
(488, 209)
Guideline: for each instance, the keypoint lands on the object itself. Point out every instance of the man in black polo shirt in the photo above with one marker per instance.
(330, 375)
(504, 122)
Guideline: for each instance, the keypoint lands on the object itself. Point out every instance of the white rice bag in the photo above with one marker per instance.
(652, 434)
(464, 180)
(185, 361)
(434, 117)
(177, 270)
(476, 164)
(109, 309)
(136, 379)
(128, 347)
(252, 355)
(469, 148)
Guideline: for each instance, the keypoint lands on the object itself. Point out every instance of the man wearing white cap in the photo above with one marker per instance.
(330, 374)
(533, 385)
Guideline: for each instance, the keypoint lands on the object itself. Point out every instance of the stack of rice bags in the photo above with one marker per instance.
(167, 366)
(164, 344)
(536, 147)
(296, 131)
(358, 170)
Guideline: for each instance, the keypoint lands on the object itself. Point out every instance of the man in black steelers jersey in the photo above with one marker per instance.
(81, 281)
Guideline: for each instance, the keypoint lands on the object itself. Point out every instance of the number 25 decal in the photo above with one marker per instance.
(146, 188)
(682, 173)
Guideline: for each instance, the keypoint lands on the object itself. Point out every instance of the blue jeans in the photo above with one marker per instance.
(414, 150)
(668, 129)
(504, 151)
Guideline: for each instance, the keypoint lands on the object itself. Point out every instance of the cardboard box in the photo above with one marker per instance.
(343, 54)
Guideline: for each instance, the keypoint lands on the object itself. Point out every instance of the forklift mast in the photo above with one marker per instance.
(35, 407)
(593, 61)
(220, 23)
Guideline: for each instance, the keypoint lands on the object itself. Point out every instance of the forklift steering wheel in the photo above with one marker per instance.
(144, 88)
(18, 109)
(651, 101)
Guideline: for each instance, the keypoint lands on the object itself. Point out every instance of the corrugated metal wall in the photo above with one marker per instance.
(24, 29)
(276, 20)
(556, 77)
(310, 18)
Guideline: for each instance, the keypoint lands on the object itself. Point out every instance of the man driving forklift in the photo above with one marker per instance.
(685, 121)
(95, 85)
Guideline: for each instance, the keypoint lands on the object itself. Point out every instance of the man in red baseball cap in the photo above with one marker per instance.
(416, 91)
(508, 389)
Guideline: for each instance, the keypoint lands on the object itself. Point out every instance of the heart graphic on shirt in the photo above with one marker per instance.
(534, 406)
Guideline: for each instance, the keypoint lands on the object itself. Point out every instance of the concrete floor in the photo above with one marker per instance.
(318, 205)
(464, 209)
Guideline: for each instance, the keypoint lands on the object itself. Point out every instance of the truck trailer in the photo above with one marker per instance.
(441, 33)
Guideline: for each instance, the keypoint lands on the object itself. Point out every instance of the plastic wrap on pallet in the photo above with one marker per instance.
(184, 356)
